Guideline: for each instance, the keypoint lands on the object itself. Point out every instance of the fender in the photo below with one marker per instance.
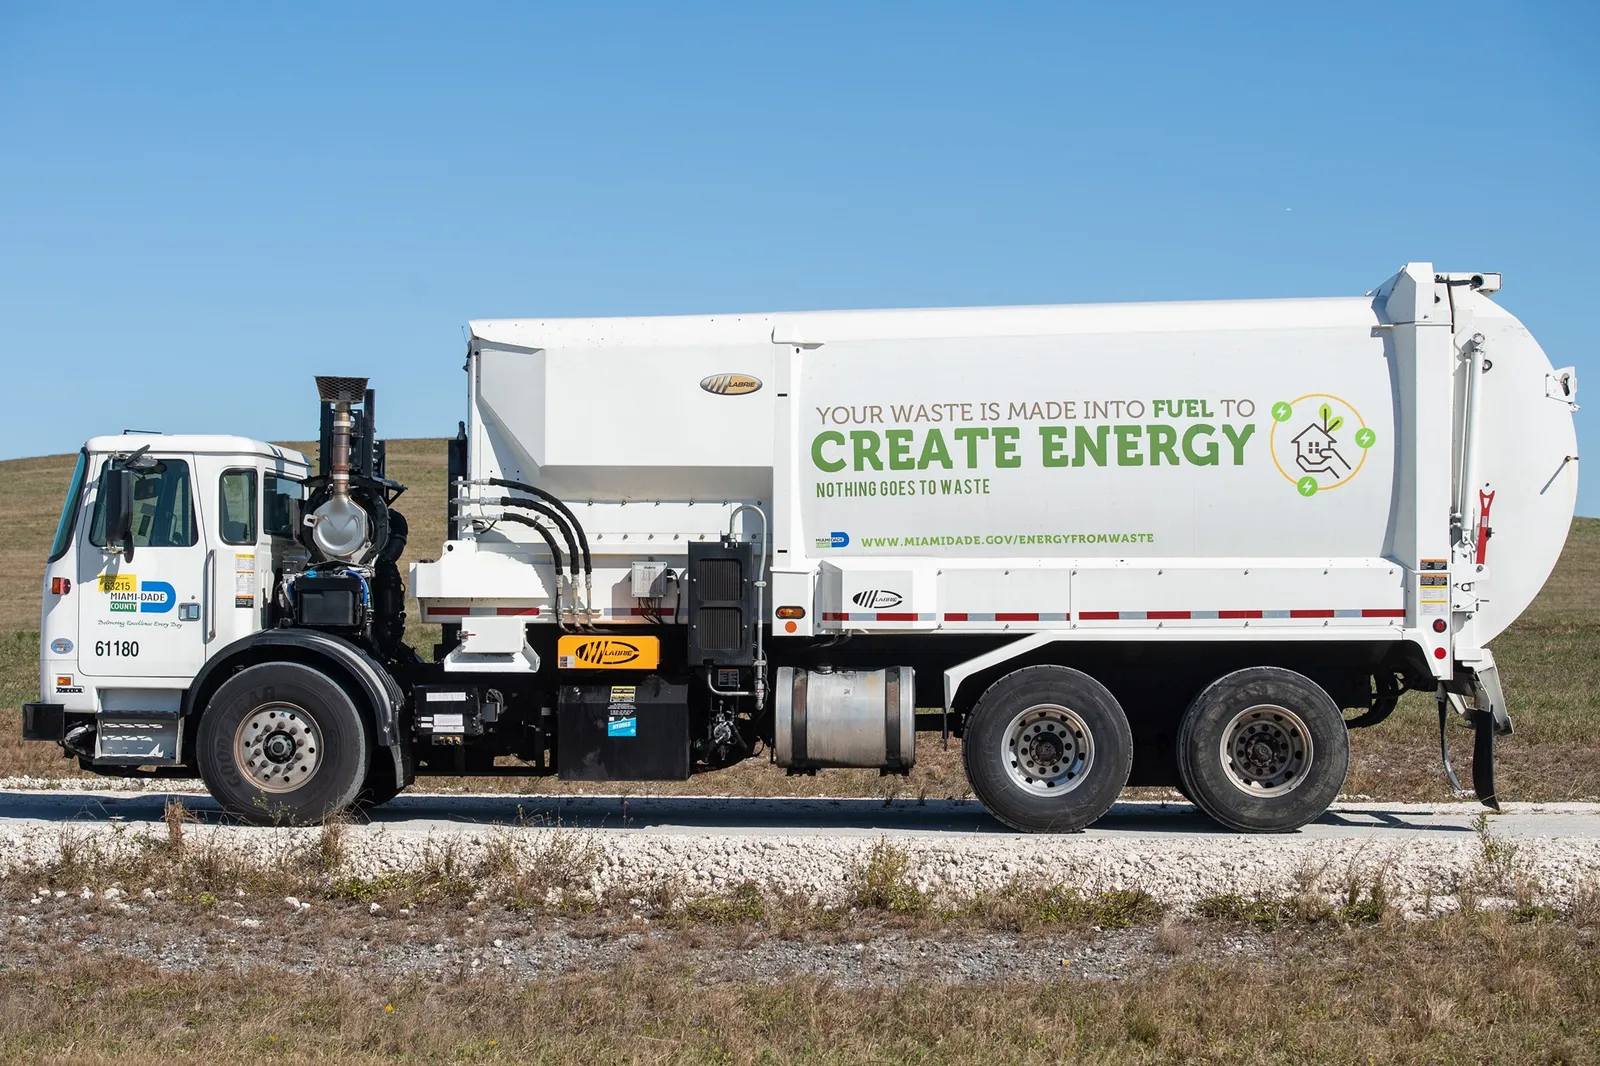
(314, 648)
(957, 674)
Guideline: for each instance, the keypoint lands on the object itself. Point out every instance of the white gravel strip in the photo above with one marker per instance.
(1422, 864)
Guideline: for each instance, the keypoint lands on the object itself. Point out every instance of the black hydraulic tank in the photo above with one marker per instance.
(636, 730)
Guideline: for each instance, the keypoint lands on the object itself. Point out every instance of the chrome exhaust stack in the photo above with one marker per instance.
(341, 528)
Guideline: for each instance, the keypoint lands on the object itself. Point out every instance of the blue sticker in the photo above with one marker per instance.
(156, 597)
(61, 646)
(622, 727)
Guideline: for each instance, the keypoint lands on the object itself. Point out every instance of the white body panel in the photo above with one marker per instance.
(1273, 469)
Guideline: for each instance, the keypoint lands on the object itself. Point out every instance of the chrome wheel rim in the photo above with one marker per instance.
(1266, 750)
(1048, 750)
(278, 747)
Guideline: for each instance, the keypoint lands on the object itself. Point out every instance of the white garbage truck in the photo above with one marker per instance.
(1178, 544)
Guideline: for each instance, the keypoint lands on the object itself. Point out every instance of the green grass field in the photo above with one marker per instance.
(1550, 659)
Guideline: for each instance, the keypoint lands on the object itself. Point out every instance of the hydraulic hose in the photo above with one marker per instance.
(555, 552)
(539, 508)
(577, 527)
(531, 490)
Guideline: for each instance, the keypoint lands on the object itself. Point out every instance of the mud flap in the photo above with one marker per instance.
(1489, 720)
(1488, 717)
(1483, 732)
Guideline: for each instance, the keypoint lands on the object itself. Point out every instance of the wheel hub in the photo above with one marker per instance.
(1266, 750)
(278, 747)
(1048, 749)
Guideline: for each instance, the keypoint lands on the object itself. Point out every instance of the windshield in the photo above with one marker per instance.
(69, 510)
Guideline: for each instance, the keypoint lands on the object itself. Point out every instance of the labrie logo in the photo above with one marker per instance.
(877, 599)
(730, 384)
(607, 652)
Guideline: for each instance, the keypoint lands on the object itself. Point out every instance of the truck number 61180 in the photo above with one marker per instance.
(121, 649)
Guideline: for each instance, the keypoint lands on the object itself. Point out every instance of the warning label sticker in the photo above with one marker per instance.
(1433, 594)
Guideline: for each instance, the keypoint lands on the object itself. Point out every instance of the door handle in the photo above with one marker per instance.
(208, 586)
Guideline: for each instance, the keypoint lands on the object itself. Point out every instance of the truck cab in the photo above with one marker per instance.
(167, 549)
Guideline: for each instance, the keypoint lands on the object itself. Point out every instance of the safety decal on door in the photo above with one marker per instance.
(244, 580)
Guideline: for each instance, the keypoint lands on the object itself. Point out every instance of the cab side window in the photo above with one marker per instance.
(277, 505)
(237, 493)
(163, 507)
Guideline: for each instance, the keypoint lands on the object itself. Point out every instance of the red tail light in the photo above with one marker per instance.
(60, 586)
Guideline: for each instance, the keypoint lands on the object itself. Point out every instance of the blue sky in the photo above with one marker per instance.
(201, 206)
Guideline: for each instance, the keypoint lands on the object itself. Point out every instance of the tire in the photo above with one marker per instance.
(283, 743)
(1287, 775)
(1089, 764)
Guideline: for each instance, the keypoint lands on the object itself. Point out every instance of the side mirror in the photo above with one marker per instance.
(116, 494)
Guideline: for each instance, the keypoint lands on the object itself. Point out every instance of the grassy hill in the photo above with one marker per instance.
(1550, 659)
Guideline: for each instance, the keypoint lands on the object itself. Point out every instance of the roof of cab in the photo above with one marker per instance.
(194, 444)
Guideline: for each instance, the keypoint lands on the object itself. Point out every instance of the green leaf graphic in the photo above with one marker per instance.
(1335, 424)
(1325, 412)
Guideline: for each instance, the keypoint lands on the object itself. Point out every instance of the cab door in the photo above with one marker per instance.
(241, 564)
(145, 616)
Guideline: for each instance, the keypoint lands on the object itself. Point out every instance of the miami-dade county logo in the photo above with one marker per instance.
(1319, 441)
(129, 594)
(836, 539)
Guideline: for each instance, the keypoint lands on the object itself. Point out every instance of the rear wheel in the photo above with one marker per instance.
(1047, 749)
(282, 742)
(1263, 750)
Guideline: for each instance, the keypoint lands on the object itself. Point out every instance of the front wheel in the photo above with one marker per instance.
(282, 742)
(1047, 749)
(1263, 750)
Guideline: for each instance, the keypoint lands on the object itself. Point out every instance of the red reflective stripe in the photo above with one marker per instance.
(1238, 614)
(1383, 612)
(1311, 614)
(1016, 617)
(1166, 615)
(516, 610)
(960, 616)
(1099, 616)
(896, 616)
(460, 611)
(832, 617)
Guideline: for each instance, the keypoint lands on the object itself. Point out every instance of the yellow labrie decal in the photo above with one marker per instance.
(118, 583)
(576, 651)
